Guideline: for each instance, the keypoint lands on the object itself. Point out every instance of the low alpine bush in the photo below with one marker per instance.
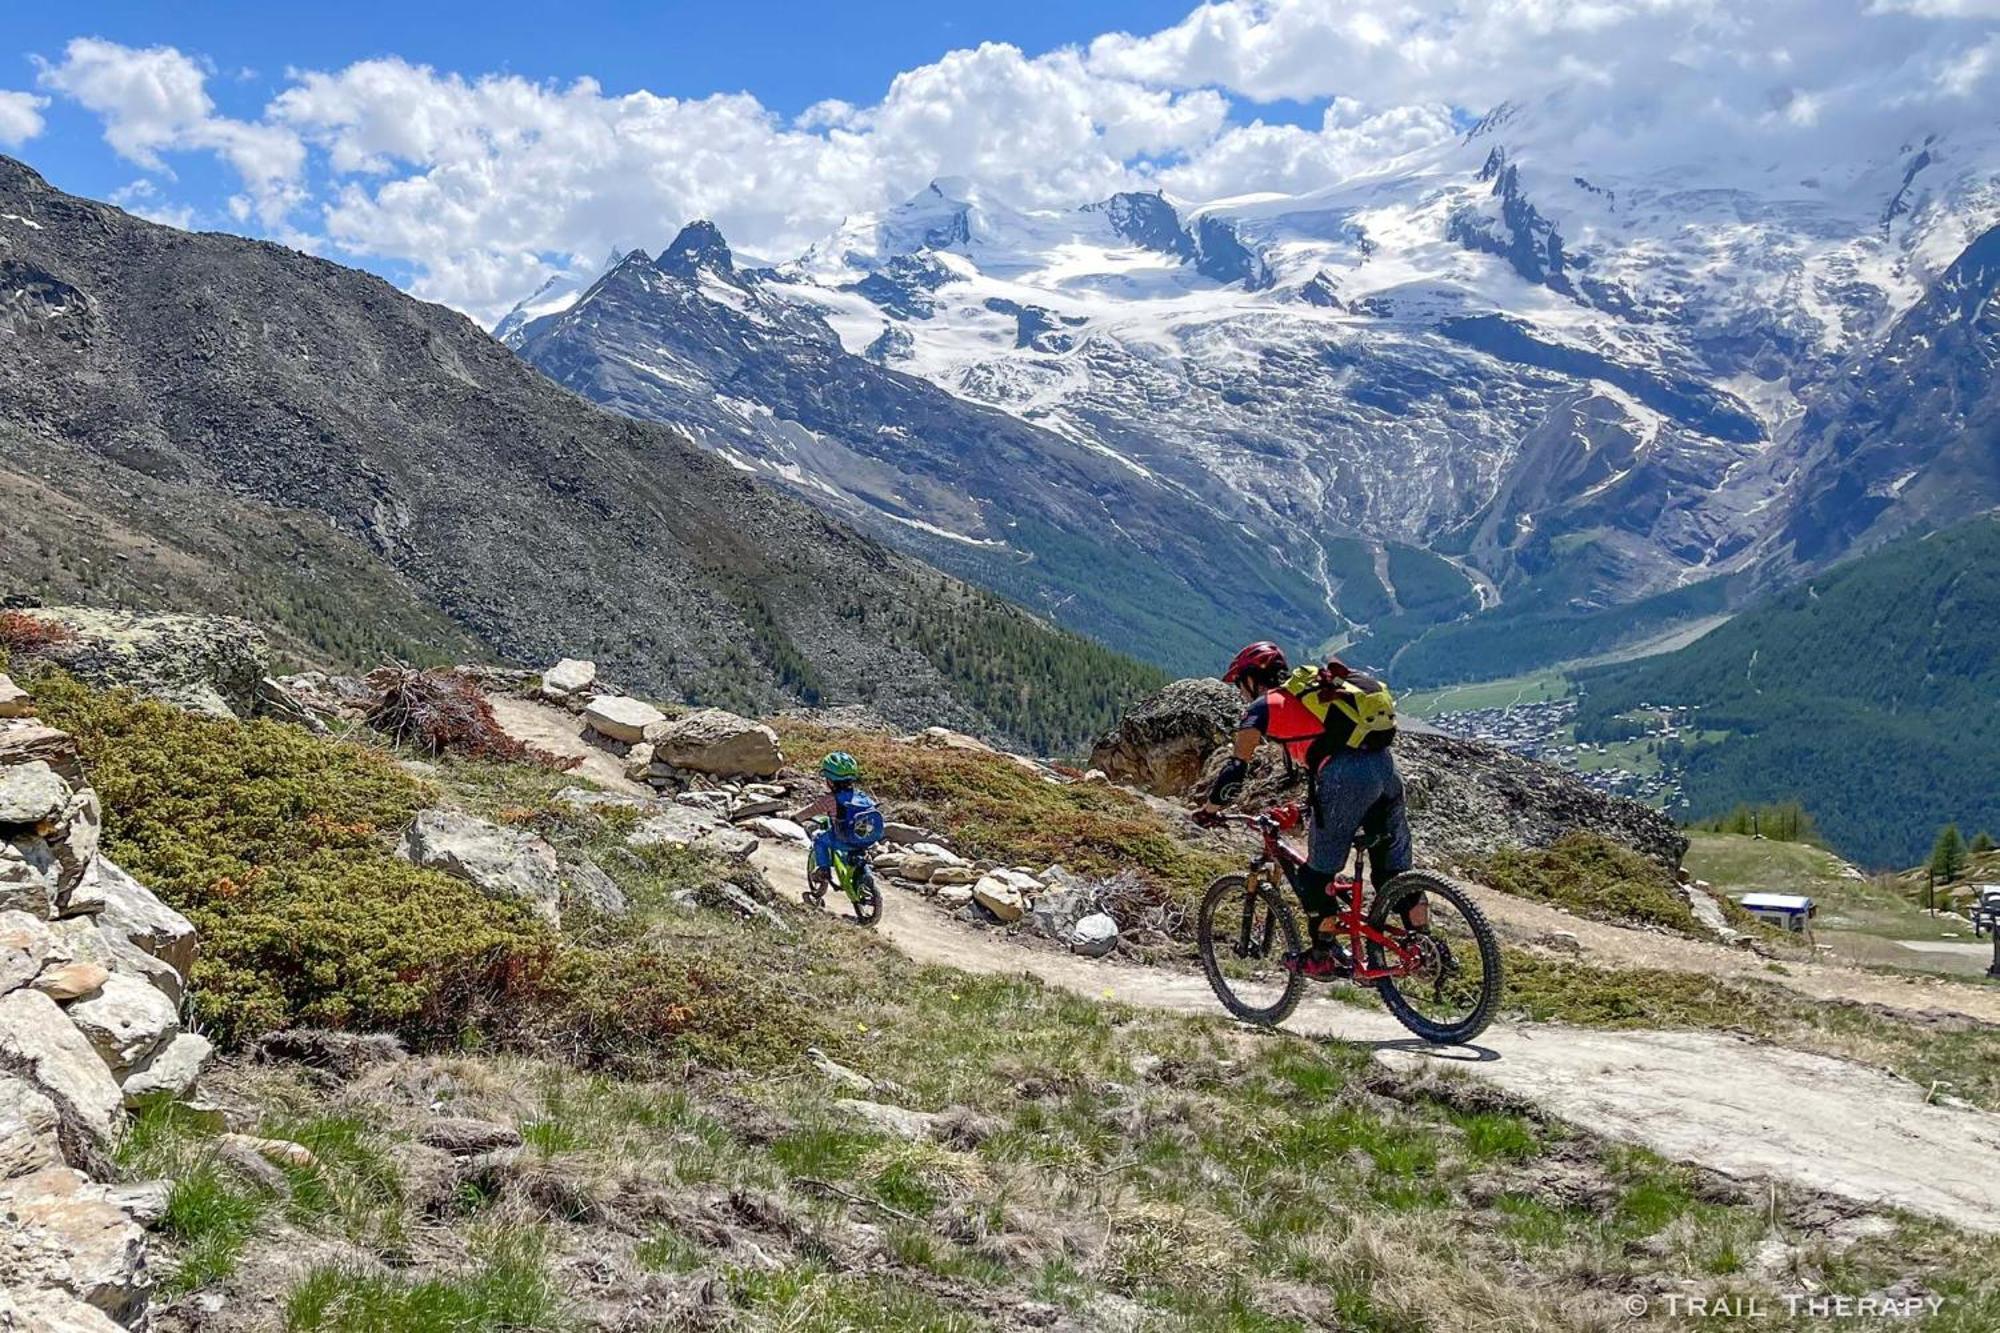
(277, 845)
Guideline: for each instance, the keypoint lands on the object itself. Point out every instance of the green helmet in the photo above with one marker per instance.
(840, 766)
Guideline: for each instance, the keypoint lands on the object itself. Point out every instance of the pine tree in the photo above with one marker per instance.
(1983, 842)
(1948, 854)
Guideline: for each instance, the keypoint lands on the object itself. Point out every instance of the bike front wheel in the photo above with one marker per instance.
(1451, 995)
(1244, 935)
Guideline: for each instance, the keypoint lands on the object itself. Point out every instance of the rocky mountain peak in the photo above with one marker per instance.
(1147, 220)
(699, 246)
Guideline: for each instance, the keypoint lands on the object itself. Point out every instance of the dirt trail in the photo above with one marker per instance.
(1610, 945)
(1745, 1109)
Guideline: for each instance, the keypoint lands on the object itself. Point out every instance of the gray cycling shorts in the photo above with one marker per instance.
(1360, 791)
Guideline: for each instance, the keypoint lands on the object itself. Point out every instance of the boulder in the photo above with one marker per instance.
(206, 664)
(133, 915)
(60, 1231)
(999, 897)
(170, 1071)
(567, 677)
(621, 717)
(14, 701)
(946, 875)
(126, 1020)
(686, 826)
(40, 1044)
(31, 793)
(716, 742)
(28, 1128)
(942, 855)
(903, 835)
(25, 946)
(1017, 878)
(1094, 936)
(501, 862)
(1162, 743)
(588, 884)
(1058, 908)
(639, 762)
(955, 895)
(917, 867)
(63, 982)
(784, 830)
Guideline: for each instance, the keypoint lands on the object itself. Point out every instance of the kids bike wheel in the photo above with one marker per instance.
(1451, 995)
(1244, 936)
(867, 901)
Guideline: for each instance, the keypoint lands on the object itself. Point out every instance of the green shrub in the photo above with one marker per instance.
(277, 846)
(1596, 878)
(638, 1005)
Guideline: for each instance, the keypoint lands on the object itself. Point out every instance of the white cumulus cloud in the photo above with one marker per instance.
(20, 117)
(484, 183)
(156, 100)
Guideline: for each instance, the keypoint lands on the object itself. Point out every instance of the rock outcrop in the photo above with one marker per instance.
(1161, 744)
(1466, 798)
(500, 862)
(92, 970)
(207, 664)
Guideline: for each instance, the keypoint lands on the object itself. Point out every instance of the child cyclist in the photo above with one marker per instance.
(853, 820)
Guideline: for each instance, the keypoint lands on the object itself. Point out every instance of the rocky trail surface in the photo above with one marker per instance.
(1737, 1106)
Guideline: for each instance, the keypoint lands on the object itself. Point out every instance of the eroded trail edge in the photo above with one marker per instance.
(1737, 1106)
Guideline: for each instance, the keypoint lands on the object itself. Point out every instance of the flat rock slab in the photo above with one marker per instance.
(621, 717)
(685, 826)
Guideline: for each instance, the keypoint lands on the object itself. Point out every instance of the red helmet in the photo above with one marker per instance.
(1260, 658)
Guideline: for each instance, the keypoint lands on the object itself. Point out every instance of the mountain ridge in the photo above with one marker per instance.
(256, 390)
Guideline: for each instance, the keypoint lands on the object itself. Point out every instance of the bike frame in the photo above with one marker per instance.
(1347, 890)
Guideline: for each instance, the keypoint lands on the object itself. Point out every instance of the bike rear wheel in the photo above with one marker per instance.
(1451, 998)
(1244, 935)
(867, 899)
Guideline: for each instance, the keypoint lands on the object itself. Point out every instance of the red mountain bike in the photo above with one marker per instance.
(1442, 981)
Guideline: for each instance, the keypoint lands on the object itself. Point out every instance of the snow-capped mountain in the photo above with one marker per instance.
(1575, 384)
(557, 293)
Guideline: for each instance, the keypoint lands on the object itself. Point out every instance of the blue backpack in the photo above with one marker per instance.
(857, 820)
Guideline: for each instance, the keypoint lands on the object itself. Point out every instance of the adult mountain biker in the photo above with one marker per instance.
(1351, 782)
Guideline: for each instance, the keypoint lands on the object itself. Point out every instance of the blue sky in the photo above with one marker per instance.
(467, 152)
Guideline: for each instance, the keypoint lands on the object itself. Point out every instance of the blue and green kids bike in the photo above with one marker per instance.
(849, 825)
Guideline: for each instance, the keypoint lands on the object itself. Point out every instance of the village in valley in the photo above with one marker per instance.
(1545, 730)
